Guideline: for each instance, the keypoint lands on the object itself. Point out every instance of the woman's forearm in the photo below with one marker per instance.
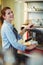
(22, 31)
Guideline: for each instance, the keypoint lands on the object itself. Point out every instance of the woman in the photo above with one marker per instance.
(10, 38)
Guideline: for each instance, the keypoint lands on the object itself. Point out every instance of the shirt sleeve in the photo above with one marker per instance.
(12, 39)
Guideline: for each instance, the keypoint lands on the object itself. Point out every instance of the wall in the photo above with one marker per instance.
(0, 2)
(19, 14)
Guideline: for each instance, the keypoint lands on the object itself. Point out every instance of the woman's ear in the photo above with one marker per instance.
(3, 17)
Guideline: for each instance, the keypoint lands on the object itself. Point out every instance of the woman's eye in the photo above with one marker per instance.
(11, 11)
(8, 13)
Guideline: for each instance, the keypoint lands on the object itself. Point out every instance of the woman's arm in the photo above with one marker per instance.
(22, 31)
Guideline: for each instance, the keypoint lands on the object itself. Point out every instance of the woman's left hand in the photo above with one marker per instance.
(29, 26)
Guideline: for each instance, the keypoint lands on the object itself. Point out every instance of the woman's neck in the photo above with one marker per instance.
(8, 21)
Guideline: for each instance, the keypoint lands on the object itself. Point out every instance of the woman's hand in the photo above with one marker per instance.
(29, 26)
(32, 46)
(19, 51)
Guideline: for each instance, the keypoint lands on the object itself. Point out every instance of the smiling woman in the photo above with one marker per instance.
(10, 38)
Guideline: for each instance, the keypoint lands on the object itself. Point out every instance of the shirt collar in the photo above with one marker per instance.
(8, 23)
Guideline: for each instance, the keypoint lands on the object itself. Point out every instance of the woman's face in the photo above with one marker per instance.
(9, 16)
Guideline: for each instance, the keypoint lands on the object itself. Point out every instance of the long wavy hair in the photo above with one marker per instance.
(3, 13)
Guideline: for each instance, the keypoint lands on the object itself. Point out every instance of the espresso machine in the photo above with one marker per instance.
(37, 34)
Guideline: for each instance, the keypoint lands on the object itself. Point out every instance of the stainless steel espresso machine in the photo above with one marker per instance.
(37, 34)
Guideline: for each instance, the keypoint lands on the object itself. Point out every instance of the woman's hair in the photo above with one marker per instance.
(3, 13)
(1, 19)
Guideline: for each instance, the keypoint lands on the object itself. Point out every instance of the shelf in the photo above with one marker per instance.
(34, 11)
(33, 1)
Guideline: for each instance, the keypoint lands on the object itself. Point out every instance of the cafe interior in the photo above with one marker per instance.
(27, 12)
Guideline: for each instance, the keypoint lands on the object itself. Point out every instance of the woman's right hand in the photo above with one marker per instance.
(32, 46)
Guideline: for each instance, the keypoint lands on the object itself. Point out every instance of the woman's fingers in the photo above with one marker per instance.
(32, 46)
